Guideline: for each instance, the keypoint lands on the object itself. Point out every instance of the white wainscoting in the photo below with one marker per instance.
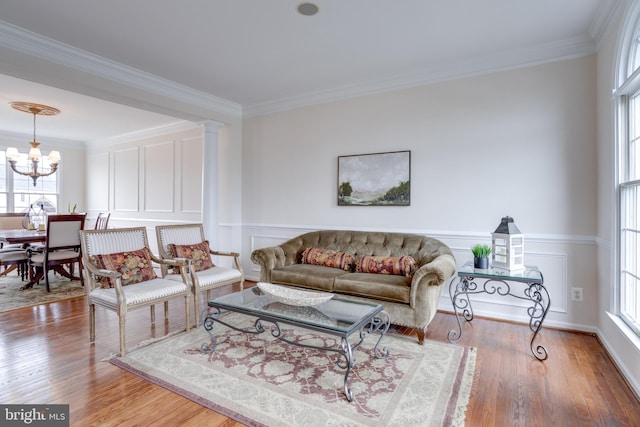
(564, 261)
(159, 173)
(126, 181)
(98, 182)
(155, 178)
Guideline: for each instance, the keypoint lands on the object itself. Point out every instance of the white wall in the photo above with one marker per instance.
(519, 143)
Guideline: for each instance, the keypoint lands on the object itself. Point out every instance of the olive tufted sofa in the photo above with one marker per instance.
(410, 300)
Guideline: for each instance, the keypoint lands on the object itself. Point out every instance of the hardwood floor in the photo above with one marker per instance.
(46, 358)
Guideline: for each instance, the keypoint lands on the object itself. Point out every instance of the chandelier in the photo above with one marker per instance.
(35, 156)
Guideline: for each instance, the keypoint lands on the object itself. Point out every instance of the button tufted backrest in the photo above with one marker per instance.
(360, 243)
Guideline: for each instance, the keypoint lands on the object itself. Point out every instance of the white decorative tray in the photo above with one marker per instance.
(292, 296)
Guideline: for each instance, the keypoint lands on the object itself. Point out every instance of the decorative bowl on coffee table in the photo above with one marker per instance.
(292, 296)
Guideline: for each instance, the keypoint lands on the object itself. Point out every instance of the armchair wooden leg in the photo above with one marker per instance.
(187, 317)
(166, 310)
(421, 334)
(153, 313)
(196, 308)
(122, 322)
(92, 322)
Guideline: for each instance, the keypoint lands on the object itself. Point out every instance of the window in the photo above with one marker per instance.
(628, 132)
(630, 215)
(17, 192)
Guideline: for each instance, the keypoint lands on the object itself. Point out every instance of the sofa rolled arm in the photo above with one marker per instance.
(434, 273)
(268, 259)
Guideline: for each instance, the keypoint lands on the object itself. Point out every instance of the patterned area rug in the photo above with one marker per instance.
(259, 380)
(11, 297)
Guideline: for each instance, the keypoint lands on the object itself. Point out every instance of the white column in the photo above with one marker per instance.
(210, 181)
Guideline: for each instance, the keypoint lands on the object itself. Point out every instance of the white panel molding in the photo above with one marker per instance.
(263, 241)
(167, 173)
(604, 243)
(99, 200)
(553, 263)
(190, 179)
(563, 262)
(126, 192)
(555, 267)
(519, 315)
(122, 221)
(438, 234)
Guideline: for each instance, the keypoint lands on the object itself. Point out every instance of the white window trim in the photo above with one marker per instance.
(626, 86)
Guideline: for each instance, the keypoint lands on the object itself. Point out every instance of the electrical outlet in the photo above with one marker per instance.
(576, 294)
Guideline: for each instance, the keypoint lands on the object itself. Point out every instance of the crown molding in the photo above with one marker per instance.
(607, 9)
(179, 126)
(429, 74)
(44, 48)
(29, 43)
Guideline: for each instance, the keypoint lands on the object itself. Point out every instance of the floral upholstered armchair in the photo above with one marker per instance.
(120, 276)
(187, 242)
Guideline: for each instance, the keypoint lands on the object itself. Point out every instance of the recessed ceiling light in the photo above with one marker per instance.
(307, 9)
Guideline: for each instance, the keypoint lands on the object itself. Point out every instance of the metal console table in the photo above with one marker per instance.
(525, 285)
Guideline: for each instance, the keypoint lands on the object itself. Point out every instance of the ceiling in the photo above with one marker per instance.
(259, 56)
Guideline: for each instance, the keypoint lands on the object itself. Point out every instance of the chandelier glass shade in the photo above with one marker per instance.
(35, 155)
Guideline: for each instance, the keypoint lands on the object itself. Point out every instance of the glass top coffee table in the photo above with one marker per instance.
(337, 317)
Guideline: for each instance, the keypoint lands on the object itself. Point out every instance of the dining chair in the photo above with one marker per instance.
(187, 241)
(11, 221)
(12, 259)
(102, 221)
(61, 247)
(119, 276)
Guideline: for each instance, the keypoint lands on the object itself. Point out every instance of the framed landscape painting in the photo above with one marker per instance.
(378, 179)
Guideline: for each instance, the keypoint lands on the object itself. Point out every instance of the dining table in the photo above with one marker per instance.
(22, 236)
(27, 237)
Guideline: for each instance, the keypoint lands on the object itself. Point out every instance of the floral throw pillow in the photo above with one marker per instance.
(401, 266)
(135, 266)
(328, 258)
(198, 253)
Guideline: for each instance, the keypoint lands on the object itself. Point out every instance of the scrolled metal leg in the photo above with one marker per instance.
(377, 324)
(214, 317)
(207, 323)
(347, 352)
(460, 300)
(539, 295)
(346, 361)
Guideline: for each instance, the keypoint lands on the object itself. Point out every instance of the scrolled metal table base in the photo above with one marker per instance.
(346, 360)
(532, 292)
